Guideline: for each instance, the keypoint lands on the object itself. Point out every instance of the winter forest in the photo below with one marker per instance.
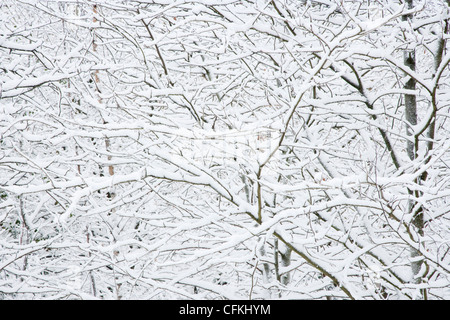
(225, 149)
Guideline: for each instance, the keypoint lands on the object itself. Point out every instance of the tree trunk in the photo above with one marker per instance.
(412, 147)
